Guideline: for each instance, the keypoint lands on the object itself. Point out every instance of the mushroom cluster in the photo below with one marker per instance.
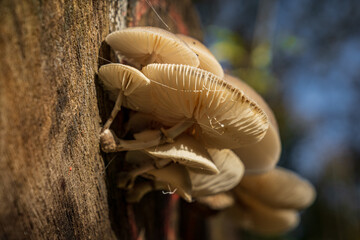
(195, 131)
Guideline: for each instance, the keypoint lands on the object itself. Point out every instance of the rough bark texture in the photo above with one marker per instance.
(53, 181)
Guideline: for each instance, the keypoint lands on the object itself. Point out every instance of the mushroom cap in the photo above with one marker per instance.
(139, 43)
(263, 155)
(279, 188)
(207, 60)
(133, 83)
(252, 94)
(218, 201)
(225, 117)
(186, 151)
(256, 216)
(231, 171)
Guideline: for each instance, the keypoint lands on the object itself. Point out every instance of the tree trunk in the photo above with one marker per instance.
(53, 181)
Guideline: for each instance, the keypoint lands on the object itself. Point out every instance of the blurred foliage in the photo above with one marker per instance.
(242, 60)
(229, 47)
(291, 44)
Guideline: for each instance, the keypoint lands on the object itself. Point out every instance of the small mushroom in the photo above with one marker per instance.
(207, 60)
(253, 215)
(147, 45)
(263, 155)
(127, 86)
(279, 188)
(185, 151)
(223, 116)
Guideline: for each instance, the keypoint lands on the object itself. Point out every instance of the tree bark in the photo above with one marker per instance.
(53, 180)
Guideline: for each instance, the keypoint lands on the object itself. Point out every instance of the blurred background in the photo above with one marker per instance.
(303, 57)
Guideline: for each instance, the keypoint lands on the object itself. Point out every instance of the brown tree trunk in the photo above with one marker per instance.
(53, 181)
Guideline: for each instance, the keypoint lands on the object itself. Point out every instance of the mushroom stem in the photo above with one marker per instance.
(177, 129)
(115, 110)
(110, 143)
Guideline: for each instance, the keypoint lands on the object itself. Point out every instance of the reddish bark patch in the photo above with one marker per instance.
(180, 24)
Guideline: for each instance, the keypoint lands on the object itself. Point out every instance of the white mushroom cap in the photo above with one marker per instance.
(263, 155)
(279, 188)
(186, 151)
(225, 117)
(134, 85)
(231, 171)
(151, 45)
(255, 216)
(207, 60)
